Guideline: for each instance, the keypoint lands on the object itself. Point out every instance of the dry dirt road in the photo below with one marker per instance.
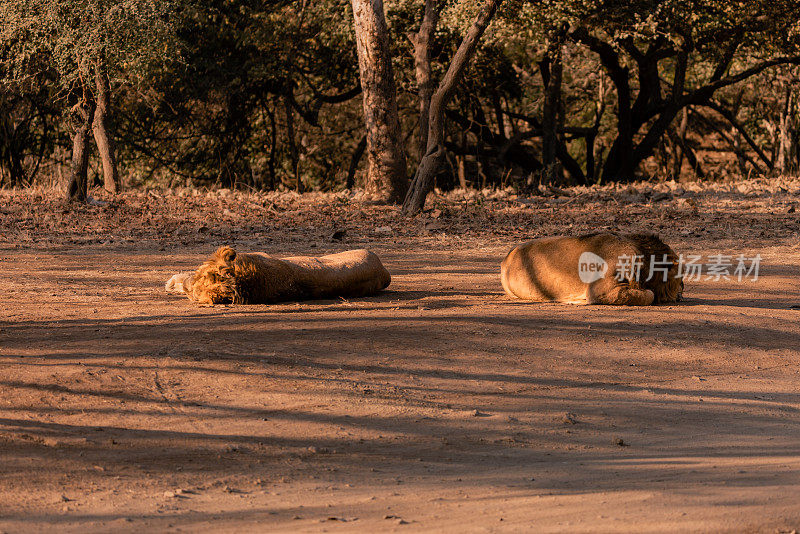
(438, 405)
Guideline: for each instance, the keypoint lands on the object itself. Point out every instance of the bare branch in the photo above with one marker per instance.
(701, 95)
(733, 122)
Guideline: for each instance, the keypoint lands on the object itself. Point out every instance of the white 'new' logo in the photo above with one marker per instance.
(591, 267)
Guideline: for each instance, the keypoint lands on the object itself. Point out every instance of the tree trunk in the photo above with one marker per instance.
(434, 155)
(273, 143)
(16, 170)
(551, 70)
(82, 117)
(619, 74)
(622, 146)
(293, 150)
(357, 154)
(784, 157)
(503, 128)
(678, 139)
(461, 159)
(422, 42)
(8, 147)
(386, 159)
(462, 172)
(686, 151)
(590, 161)
(741, 160)
(648, 143)
(102, 134)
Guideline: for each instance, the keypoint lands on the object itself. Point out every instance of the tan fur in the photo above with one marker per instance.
(255, 278)
(547, 270)
(179, 282)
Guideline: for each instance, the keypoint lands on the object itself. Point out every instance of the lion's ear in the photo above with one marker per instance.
(225, 254)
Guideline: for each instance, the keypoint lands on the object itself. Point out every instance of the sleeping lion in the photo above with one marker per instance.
(601, 268)
(229, 277)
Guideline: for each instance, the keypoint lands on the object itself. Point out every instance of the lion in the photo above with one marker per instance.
(229, 277)
(598, 268)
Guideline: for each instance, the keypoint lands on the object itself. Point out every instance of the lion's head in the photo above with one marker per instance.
(215, 281)
(660, 260)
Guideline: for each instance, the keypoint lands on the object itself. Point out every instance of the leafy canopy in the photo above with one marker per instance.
(72, 38)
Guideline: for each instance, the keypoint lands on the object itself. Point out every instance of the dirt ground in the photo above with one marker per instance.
(438, 405)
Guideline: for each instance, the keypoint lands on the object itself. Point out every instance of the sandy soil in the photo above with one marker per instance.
(438, 405)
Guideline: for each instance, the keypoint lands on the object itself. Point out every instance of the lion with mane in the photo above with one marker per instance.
(228, 277)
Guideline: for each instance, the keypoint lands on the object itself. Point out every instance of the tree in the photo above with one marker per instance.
(433, 159)
(87, 44)
(267, 94)
(26, 137)
(665, 56)
(385, 153)
(551, 70)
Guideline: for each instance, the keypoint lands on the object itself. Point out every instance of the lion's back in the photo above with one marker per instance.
(545, 270)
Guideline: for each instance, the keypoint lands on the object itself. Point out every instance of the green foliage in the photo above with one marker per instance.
(72, 38)
(257, 93)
